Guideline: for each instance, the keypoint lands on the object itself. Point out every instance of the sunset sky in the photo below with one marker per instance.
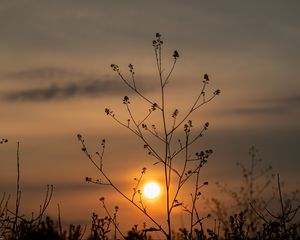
(56, 81)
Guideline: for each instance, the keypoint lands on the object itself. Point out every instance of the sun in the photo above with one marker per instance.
(151, 190)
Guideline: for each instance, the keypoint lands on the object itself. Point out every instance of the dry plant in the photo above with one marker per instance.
(279, 225)
(249, 216)
(256, 179)
(14, 225)
(168, 142)
(17, 226)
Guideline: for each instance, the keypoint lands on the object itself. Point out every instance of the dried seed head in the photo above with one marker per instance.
(176, 54)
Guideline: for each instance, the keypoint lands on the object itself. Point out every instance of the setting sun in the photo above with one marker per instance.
(151, 190)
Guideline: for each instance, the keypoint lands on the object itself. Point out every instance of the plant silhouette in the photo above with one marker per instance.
(163, 141)
(256, 179)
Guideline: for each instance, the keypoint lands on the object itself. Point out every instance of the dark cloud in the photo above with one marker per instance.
(266, 110)
(284, 100)
(45, 73)
(293, 100)
(91, 88)
(268, 106)
(63, 83)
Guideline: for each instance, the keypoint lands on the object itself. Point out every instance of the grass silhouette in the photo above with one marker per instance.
(13, 225)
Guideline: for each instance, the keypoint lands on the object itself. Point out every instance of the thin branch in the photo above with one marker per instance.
(117, 189)
(135, 90)
(114, 219)
(172, 69)
(18, 191)
(135, 189)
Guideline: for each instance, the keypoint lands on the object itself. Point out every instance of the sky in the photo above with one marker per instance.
(56, 81)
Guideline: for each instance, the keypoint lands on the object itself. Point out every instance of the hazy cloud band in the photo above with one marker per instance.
(69, 90)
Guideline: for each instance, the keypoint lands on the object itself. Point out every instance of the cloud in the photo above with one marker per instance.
(90, 88)
(293, 100)
(266, 110)
(51, 75)
(62, 83)
(269, 106)
(45, 73)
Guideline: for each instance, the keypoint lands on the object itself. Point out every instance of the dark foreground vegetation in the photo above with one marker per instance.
(102, 228)
(250, 223)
